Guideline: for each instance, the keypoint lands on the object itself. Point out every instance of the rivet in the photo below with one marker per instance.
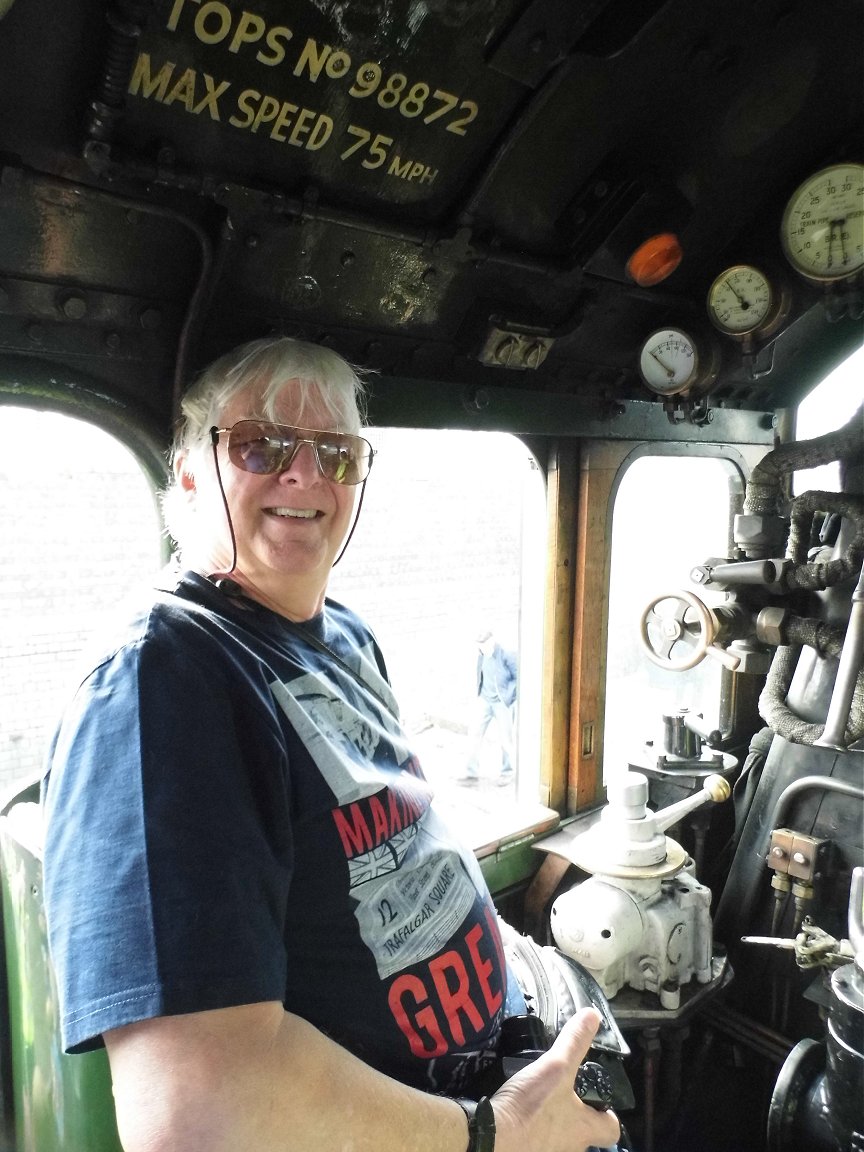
(74, 307)
(150, 319)
(112, 341)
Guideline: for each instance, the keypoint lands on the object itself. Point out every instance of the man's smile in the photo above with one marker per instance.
(295, 513)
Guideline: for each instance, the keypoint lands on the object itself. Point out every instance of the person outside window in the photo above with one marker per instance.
(497, 679)
(252, 900)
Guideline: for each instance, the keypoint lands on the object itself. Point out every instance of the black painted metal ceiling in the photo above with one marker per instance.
(445, 190)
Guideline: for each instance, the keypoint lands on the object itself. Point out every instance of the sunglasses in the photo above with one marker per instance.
(261, 447)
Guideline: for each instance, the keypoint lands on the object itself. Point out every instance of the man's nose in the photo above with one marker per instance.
(302, 465)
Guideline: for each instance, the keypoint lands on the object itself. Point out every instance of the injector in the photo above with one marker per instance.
(642, 918)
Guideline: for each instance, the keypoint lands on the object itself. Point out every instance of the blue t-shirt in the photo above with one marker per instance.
(233, 815)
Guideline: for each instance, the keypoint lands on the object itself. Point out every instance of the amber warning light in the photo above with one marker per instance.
(655, 259)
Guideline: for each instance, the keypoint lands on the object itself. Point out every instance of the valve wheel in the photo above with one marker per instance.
(687, 623)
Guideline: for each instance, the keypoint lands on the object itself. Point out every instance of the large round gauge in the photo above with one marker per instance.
(741, 301)
(823, 227)
(669, 362)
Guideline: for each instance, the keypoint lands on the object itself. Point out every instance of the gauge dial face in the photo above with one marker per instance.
(669, 361)
(740, 300)
(823, 226)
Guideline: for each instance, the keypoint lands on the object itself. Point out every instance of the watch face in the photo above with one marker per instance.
(823, 228)
(668, 361)
(740, 300)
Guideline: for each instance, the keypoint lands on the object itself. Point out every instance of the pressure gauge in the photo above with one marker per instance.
(741, 301)
(670, 362)
(823, 228)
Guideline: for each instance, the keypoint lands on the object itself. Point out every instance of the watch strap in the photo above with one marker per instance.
(481, 1124)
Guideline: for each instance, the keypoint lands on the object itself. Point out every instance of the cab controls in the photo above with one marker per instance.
(744, 305)
(677, 631)
(796, 855)
(822, 231)
(672, 362)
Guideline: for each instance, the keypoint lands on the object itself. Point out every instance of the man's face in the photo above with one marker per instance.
(288, 525)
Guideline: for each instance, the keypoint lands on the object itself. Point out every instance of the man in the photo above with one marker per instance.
(251, 898)
(496, 698)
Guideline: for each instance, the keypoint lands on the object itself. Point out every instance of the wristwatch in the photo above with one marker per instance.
(481, 1124)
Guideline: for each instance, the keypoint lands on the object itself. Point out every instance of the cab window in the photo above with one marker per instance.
(670, 513)
(828, 407)
(81, 528)
(450, 543)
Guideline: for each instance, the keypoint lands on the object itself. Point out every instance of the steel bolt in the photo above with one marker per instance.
(74, 307)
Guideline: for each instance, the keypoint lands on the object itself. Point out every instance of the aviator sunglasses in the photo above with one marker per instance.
(261, 447)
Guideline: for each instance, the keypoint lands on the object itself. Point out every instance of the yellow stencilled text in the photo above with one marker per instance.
(253, 111)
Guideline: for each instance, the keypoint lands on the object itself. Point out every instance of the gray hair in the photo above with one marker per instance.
(321, 376)
(274, 363)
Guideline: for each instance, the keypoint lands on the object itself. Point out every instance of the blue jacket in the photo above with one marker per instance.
(505, 672)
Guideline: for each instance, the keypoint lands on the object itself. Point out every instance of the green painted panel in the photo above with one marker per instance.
(62, 1103)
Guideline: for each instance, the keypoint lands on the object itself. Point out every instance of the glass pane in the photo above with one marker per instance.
(670, 514)
(828, 407)
(81, 527)
(451, 543)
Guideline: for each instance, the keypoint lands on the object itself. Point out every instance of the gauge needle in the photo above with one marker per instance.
(737, 295)
(844, 258)
(836, 231)
(670, 372)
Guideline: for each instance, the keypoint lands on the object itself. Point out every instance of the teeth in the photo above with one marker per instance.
(298, 513)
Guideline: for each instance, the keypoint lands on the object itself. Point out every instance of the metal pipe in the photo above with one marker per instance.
(834, 735)
(856, 915)
(760, 1038)
(804, 784)
(763, 485)
(38, 180)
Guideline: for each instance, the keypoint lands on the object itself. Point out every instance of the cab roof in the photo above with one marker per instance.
(446, 191)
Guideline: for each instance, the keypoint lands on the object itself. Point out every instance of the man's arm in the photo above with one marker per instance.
(257, 1077)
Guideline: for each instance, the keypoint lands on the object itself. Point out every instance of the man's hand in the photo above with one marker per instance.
(254, 1076)
(537, 1110)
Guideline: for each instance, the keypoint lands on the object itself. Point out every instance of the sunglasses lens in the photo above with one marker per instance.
(343, 459)
(256, 446)
(260, 448)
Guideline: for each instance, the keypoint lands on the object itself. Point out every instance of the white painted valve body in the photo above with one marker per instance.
(643, 919)
(650, 935)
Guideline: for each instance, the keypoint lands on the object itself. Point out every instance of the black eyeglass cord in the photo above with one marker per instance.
(214, 441)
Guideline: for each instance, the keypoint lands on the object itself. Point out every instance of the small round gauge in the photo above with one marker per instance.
(823, 227)
(669, 361)
(740, 301)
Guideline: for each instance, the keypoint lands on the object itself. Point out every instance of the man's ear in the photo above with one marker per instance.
(182, 473)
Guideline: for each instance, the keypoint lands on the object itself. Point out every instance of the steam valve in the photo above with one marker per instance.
(642, 919)
(629, 841)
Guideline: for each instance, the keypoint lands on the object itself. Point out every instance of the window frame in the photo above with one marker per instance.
(578, 773)
(55, 388)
